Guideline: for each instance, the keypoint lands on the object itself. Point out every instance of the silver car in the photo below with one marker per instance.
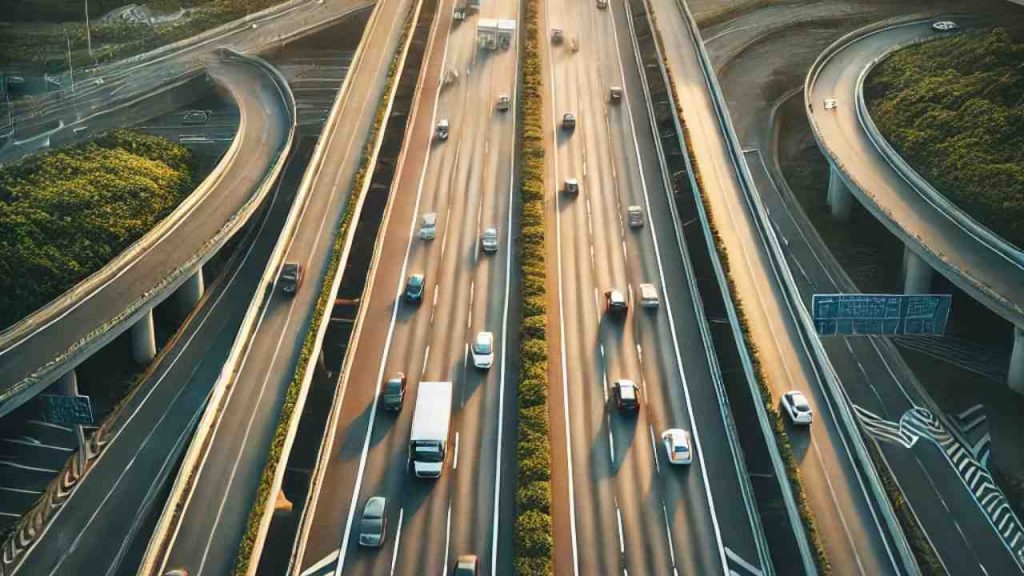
(373, 525)
(489, 241)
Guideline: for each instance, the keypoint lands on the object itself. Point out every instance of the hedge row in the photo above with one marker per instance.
(534, 542)
(778, 424)
(273, 459)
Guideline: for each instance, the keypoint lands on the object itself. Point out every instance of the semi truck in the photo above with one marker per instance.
(428, 442)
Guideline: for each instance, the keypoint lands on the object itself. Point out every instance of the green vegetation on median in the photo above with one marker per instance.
(65, 214)
(789, 460)
(954, 109)
(534, 541)
(304, 364)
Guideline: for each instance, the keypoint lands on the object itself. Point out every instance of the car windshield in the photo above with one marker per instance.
(393, 387)
(427, 453)
(799, 402)
(482, 347)
(415, 281)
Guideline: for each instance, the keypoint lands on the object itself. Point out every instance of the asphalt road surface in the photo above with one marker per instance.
(846, 516)
(26, 349)
(620, 506)
(263, 132)
(206, 536)
(467, 181)
(994, 278)
(876, 380)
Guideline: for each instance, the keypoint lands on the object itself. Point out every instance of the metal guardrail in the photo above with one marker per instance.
(736, 450)
(1012, 254)
(134, 310)
(820, 362)
(962, 219)
(247, 329)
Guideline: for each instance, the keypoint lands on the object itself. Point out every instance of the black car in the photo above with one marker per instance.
(290, 278)
(373, 526)
(393, 393)
(414, 288)
(627, 395)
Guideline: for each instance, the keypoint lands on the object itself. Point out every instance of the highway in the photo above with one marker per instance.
(619, 504)
(230, 452)
(971, 259)
(41, 347)
(854, 535)
(875, 379)
(467, 181)
(97, 310)
(117, 85)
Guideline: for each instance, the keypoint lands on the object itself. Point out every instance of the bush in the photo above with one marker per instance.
(65, 214)
(953, 109)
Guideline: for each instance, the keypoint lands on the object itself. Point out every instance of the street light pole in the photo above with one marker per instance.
(88, 32)
(71, 67)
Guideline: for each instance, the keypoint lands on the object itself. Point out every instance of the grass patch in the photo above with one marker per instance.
(533, 532)
(65, 214)
(303, 364)
(954, 109)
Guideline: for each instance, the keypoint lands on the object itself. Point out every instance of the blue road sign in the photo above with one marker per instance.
(880, 314)
(66, 410)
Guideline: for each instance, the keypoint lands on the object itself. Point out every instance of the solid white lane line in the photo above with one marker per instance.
(447, 539)
(618, 520)
(654, 449)
(504, 321)
(398, 540)
(668, 534)
(455, 459)
(668, 309)
(423, 369)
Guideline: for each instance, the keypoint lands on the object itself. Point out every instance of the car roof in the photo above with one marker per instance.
(487, 337)
(616, 295)
(374, 507)
(491, 232)
(798, 398)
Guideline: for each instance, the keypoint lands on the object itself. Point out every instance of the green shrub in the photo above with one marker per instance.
(65, 214)
(954, 109)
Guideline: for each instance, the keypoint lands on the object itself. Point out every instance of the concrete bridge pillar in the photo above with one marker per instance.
(67, 385)
(1015, 376)
(144, 339)
(840, 199)
(189, 293)
(917, 274)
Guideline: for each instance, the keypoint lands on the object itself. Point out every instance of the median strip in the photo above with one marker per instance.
(776, 421)
(534, 542)
(284, 425)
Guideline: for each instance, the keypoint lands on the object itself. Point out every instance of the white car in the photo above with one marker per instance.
(945, 26)
(483, 350)
(489, 241)
(796, 405)
(678, 447)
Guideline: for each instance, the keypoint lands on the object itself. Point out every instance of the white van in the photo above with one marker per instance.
(428, 226)
(649, 296)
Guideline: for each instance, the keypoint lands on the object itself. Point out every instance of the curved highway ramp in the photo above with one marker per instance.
(49, 343)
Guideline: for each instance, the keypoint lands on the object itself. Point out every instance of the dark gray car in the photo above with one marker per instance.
(373, 525)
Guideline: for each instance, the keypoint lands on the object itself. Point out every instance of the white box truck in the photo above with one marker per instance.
(428, 442)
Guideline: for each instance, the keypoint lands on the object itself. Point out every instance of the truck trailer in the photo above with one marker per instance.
(428, 442)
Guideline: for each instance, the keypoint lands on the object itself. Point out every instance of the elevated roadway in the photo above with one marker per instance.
(620, 506)
(468, 181)
(853, 516)
(205, 519)
(51, 341)
(937, 234)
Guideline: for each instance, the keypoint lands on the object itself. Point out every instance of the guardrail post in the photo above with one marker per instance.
(144, 339)
(917, 274)
(189, 293)
(840, 199)
(1015, 377)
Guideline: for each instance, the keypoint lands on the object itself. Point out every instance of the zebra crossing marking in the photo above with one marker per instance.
(970, 462)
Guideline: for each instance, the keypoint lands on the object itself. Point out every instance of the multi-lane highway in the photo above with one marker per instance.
(877, 382)
(620, 505)
(52, 340)
(207, 513)
(467, 180)
(848, 513)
